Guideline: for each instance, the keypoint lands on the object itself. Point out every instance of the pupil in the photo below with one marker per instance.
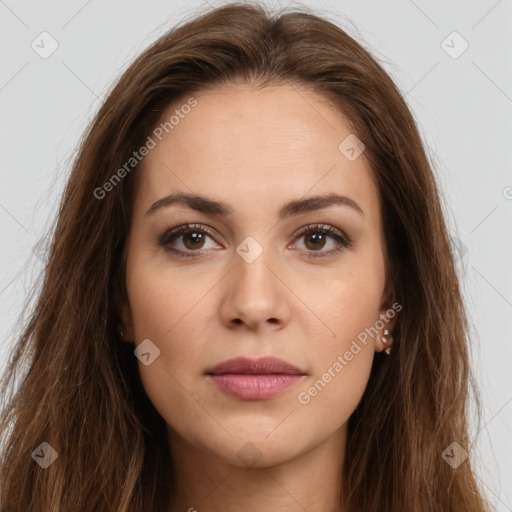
(193, 238)
(318, 237)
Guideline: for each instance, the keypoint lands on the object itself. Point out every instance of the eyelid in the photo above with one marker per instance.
(322, 227)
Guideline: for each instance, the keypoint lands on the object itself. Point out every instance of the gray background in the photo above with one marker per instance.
(462, 103)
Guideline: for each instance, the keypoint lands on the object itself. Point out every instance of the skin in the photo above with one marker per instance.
(256, 150)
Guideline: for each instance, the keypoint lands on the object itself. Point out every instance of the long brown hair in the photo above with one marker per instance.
(80, 391)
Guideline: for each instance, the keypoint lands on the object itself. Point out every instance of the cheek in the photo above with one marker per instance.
(343, 354)
(159, 296)
(155, 311)
(168, 317)
(330, 397)
(348, 304)
(165, 316)
(344, 302)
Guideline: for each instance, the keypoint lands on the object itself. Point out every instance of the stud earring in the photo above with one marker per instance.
(387, 339)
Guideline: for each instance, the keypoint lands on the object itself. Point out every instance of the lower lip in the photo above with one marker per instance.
(254, 387)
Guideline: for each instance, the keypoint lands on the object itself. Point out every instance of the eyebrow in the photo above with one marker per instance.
(211, 207)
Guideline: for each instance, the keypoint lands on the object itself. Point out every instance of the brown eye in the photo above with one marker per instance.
(193, 240)
(316, 237)
(186, 240)
(315, 241)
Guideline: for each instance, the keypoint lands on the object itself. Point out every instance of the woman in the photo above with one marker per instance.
(250, 301)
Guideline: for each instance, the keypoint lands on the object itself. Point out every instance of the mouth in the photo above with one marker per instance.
(261, 366)
(254, 379)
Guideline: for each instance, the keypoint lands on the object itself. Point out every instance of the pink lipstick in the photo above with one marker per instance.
(254, 379)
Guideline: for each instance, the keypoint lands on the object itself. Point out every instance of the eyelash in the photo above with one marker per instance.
(174, 233)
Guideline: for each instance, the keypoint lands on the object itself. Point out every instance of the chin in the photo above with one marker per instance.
(253, 449)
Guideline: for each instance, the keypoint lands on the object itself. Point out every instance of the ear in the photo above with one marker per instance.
(123, 314)
(388, 314)
(127, 323)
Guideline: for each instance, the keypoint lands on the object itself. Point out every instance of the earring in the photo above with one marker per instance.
(387, 338)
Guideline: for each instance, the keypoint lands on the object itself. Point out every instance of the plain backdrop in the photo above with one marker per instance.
(451, 60)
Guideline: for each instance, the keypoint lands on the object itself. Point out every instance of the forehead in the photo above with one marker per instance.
(242, 144)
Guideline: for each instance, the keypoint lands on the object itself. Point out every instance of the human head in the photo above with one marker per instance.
(309, 304)
(84, 292)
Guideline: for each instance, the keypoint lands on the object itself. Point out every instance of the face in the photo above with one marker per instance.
(303, 284)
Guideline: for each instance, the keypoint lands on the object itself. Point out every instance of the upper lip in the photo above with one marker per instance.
(260, 366)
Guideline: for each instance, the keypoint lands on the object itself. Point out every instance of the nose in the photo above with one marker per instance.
(254, 295)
